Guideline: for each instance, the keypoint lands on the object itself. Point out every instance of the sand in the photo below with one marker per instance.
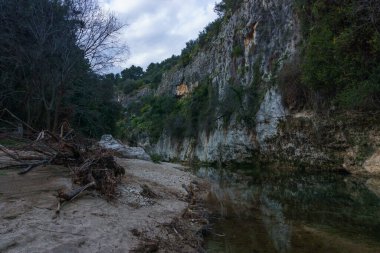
(135, 222)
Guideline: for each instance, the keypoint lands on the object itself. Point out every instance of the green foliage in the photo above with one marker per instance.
(45, 78)
(294, 93)
(200, 109)
(93, 110)
(153, 74)
(156, 158)
(237, 51)
(227, 7)
(147, 116)
(132, 73)
(210, 31)
(130, 85)
(134, 78)
(342, 51)
(203, 40)
(151, 116)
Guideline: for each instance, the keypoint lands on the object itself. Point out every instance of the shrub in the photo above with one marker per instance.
(295, 94)
(237, 51)
(156, 158)
(342, 51)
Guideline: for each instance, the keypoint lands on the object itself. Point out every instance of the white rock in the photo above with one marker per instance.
(372, 164)
(108, 142)
(271, 112)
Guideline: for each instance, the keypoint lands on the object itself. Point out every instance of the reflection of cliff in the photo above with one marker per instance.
(232, 198)
(273, 212)
(273, 218)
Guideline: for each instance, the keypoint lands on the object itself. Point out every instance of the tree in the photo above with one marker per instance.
(133, 73)
(96, 32)
(46, 47)
(227, 7)
(342, 51)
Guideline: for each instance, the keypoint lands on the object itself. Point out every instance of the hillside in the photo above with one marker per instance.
(285, 80)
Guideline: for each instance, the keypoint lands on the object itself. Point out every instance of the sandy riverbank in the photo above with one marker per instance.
(164, 218)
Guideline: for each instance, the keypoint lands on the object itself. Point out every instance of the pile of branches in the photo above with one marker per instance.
(92, 166)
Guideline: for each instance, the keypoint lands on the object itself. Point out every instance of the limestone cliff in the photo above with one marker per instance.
(266, 32)
(242, 63)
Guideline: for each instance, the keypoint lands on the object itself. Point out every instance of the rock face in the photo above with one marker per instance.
(265, 34)
(108, 142)
(271, 112)
(246, 58)
(235, 144)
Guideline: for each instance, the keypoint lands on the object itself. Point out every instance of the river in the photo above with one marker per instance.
(261, 210)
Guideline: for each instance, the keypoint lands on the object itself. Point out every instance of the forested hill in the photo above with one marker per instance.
(267, 77)
(50, 55)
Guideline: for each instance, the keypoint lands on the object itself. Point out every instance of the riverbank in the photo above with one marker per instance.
(157, 210)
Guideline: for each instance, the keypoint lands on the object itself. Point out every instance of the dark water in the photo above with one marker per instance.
(264, 211)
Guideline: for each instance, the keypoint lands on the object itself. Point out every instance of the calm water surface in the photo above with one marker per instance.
(258, 210)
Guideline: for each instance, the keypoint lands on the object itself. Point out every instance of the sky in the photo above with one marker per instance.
(157, 29)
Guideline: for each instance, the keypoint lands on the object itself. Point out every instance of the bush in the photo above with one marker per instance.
(342, 51)
(156, 158)
(295, 94)
(131, 85)
(237, 51)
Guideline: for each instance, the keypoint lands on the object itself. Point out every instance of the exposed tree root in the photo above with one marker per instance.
(92, 166)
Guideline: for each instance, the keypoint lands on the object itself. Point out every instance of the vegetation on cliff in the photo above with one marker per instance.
(179, 118)
(182, 116)
(335, 68)
(341, 52)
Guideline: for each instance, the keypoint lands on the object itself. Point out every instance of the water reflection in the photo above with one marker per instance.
(263, 211)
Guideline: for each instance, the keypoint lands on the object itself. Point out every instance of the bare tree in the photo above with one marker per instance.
(97, 34)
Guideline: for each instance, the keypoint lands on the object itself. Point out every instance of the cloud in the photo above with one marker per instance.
(157, 29)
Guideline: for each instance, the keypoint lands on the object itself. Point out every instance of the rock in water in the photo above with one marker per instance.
(110, 143)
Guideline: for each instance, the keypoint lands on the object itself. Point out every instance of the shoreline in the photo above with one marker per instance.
(158, 210)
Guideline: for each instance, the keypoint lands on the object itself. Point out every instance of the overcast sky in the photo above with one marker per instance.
(157, 29)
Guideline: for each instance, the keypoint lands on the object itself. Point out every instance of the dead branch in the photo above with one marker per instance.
(147, 192)
(19, 120)
(8, 153)
(31, 166)
(92, 167)
(69, 196)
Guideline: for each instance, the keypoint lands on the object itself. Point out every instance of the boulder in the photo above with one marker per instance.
(110, 143)
(372, 164)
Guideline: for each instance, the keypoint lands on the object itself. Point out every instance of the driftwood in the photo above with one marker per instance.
(147, 192)
(68, 196)
(31, 166)
(92, 166)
